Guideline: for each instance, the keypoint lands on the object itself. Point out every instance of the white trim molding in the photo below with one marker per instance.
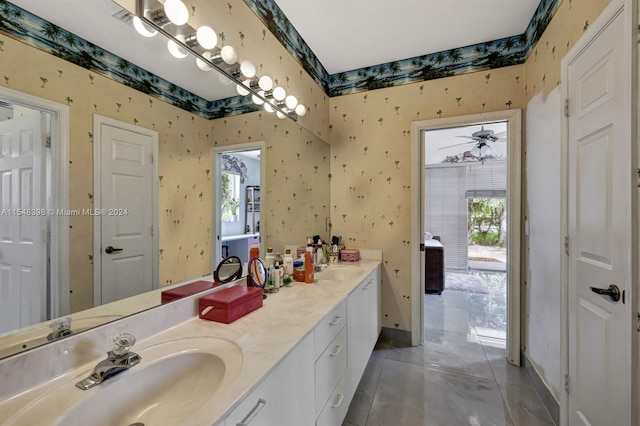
(514, 218)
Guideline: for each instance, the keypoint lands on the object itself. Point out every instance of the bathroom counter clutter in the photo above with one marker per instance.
(207, 373)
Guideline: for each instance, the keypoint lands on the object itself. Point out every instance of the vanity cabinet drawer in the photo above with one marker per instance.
(329, 368)
(330, 326)
(285, 397)
(335, 410)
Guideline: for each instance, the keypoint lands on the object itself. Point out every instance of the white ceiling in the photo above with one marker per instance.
(352, 34)
(445, 142)
(93, 20)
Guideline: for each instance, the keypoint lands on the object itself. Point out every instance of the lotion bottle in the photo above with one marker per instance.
(308, 267)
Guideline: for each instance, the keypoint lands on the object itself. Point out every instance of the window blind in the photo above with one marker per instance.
(446, 211)
(488, 180)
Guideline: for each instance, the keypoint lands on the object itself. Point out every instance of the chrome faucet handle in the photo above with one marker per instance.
(123, 343)
(59, 328)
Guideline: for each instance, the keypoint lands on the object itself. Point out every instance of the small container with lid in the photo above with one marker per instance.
(298, 271)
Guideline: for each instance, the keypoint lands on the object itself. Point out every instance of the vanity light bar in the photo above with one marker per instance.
(153, 15)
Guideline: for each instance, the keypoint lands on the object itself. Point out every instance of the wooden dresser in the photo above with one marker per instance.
(433, 266)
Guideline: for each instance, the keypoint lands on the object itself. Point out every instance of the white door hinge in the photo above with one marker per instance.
(566, 245)
(151, 230)
(566, 383)
(566, 107)
(46, 141)
(152, 159)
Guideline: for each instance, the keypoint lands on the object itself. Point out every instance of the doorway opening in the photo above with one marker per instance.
(465, 210)
(33, 187)
(237, 198)
(475, 176)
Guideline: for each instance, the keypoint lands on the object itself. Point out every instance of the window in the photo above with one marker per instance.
(230, 187)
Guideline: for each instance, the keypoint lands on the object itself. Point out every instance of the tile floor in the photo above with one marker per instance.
(457, 378)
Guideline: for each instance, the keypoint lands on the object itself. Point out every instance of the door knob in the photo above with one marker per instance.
(111, 249)
(613, 292)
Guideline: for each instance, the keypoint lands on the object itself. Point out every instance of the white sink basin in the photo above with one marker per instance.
(173, 381)
(339, 273)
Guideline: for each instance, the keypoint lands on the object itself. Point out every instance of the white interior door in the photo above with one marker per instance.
(23, 285)
(600, 203)
(126, 212)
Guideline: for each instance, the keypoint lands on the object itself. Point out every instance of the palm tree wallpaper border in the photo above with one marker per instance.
(46, 36)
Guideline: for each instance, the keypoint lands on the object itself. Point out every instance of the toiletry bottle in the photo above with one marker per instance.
(254, 251)
(319, 255)
(298, 271)
(269, 258)
(288, 262)
(277, 276)
(308, 267)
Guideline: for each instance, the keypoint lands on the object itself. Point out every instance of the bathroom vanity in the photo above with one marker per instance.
(296, 361)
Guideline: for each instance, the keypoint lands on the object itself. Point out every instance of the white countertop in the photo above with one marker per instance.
(265, 337)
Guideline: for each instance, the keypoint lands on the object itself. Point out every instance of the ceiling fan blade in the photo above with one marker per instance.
(451, 146)
(468, 137)
(500, 134)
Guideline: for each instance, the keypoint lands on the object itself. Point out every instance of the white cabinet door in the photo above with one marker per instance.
(363, 327)
(286, 397)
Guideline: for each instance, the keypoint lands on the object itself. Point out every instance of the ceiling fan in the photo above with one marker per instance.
(482, 138)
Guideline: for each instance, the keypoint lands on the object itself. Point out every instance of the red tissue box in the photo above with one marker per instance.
(229, 304)
(349, 255)
(186, 290)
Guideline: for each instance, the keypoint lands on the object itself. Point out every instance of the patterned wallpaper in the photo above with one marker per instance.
(371, 165)
(297, 161)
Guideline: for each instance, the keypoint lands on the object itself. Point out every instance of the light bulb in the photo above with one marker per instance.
(242, 88)
(268, 107)
(176, 11)
(229, 55)
(280, 115)
(301, 110)
(256, 100)
(265, 83)
(143, 29)
(279, 93)
(175, 50)
(291, 101)
(206, 37)
(202, 64)
(248, 69)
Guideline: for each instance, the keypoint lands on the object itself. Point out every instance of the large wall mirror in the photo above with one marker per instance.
(129, 110)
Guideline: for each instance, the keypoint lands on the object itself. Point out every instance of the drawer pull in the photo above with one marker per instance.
(253, 414)
(336, 321)
(336, 351)
(338, 401)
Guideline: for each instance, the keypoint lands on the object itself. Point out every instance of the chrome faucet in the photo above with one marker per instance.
(119, 359)
(59, 329)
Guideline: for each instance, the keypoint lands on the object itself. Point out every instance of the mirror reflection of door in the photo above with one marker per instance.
(126, 203)
(238, 173)
(23, 190)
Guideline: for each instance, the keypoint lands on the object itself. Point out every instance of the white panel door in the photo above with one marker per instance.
(23, 286)
(126, 213)
(600, 202)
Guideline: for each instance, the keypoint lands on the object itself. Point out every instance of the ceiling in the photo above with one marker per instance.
(344, 35)
(352, 34)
